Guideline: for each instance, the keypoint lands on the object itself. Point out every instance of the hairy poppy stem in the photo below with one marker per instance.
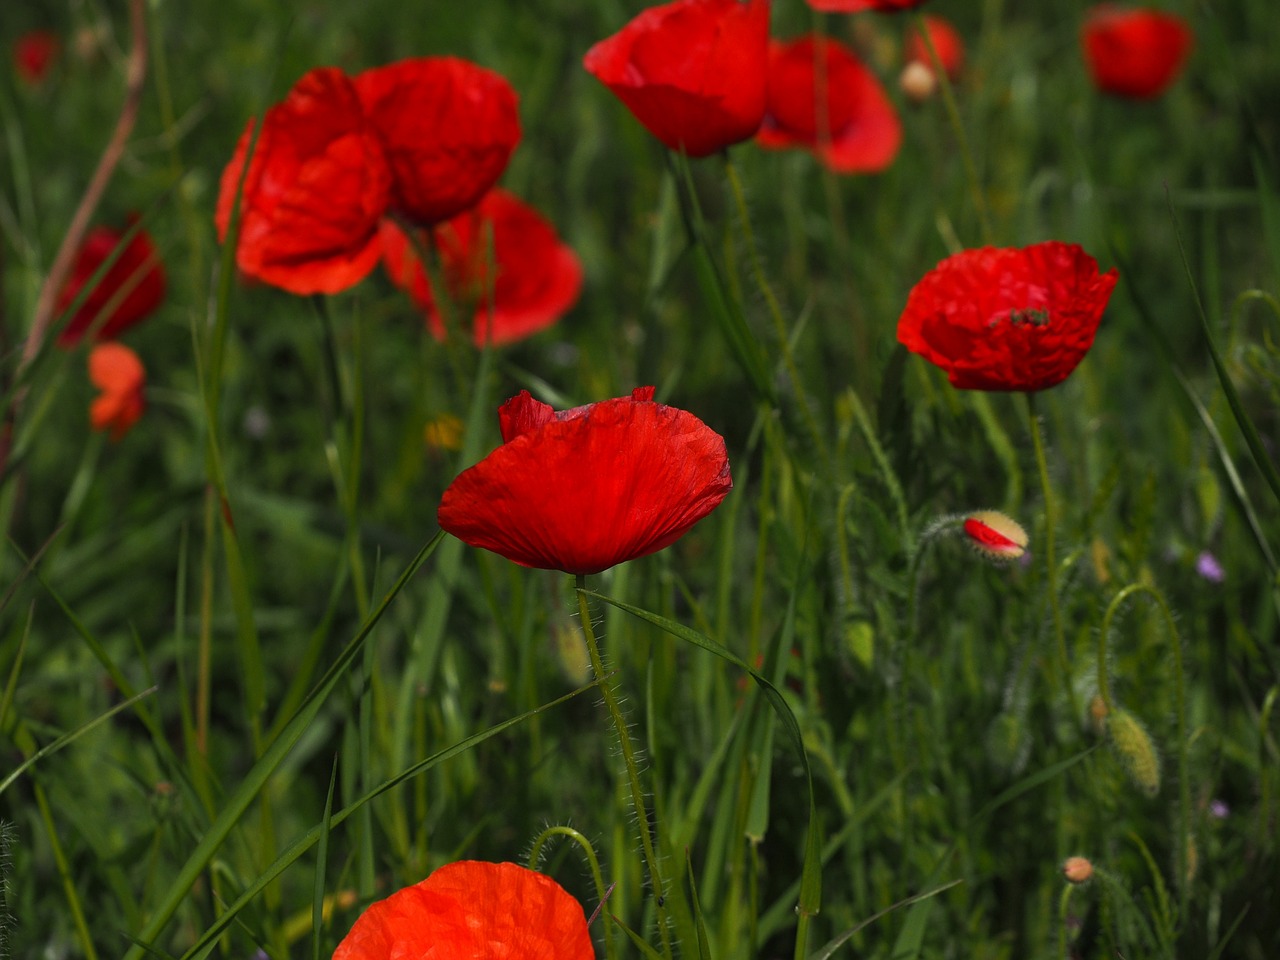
(1051, 563)
(628, 757)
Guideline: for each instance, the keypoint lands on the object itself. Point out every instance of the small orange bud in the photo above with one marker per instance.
(917, 82)
(995, 536)
(1077, 870)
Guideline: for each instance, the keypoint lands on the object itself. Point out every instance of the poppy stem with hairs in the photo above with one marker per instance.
(1051, 564)
(953, 116)
(628, 757)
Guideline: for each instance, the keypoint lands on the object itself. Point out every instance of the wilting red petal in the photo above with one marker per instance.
(857, 6)
(472, 909)
(131, 289)
(537, 277)
(118, 373)
(692, 71)
(861, 131)
(946, 43)
(448, 127)
(317, 186)
(34, 54)
(1007, 319)
(1134, 53)
(588, 488)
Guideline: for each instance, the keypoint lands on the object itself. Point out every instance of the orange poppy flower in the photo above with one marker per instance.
(118, 373)
(473, 909)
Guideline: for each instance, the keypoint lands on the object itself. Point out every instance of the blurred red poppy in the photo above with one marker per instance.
(1134, 53)
(584, 489)
(34, 54)
(693, 71)
(537, 277)
(130, 290)
(860, 132)
(316, 188)
(1007, 319)
(473, 909)
(857, 6)
(118, 373)
(946, 43)
(448, 127)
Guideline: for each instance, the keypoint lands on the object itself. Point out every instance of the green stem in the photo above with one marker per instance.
(1180, 706)
(953, 116)
(610, 694)
(1051, 563)
(593, 861)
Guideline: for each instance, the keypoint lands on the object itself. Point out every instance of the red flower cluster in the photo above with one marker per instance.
(1134, 53)
(426, 138)
(473, 909)
(691, 71)
(132, 287)
(1007, 319)
(118, 373)
(34, 54)
(860, 131)
(584, 489)
(534, 278)
(857, 6)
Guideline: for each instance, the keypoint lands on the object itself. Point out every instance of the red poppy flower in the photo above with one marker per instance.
(538, 278)
(316, 188)
(448, 127)
(1134, 53)
(473, 909)
(693, 71)
(860, 133)
(34, 54)
(1007, 319)
(587, 488)
(118, 373)
(946, 43)
(857, 6)
(129, 291)
(996, 536)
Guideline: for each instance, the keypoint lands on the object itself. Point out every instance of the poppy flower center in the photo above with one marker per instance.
(1031, 316)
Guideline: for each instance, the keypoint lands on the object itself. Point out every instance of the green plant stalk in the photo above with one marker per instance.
(64, 872)
(1064, 902)
(1051, 563)
(629, 758)
(593, 862)
(1184, 783)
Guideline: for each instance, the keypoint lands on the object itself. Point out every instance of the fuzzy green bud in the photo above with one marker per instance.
(1136, 750)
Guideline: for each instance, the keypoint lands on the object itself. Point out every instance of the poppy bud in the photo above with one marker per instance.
(1136, 750)
(1077, 870)
(917, 82)
(997, 537)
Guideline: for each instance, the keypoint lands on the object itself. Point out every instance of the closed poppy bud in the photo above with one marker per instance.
(448, 127)
(946, 44)
(129, 291)
(316, 188)
(1077, 870)
(118, 373)
(473, 909)
(1007, 319)
(584, 489)
(857, 6)
(34, 54)
(693, 71)
(1134, 53)
(995, 536)
(1136, 750)
(500, 258)
(860, 132)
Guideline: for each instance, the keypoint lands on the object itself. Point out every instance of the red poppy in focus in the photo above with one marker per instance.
(693, 71)
(946, 43)
(473, 909)
(118, 373)
(34, 54)
(860, 133)
(130, 290)
(448, 128)
(538, 278)
(584, 489)
(1007, 319)
(316, 188)
(1134, 53)
(857, 6)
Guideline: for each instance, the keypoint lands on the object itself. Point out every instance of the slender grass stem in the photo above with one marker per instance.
(607, 689)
